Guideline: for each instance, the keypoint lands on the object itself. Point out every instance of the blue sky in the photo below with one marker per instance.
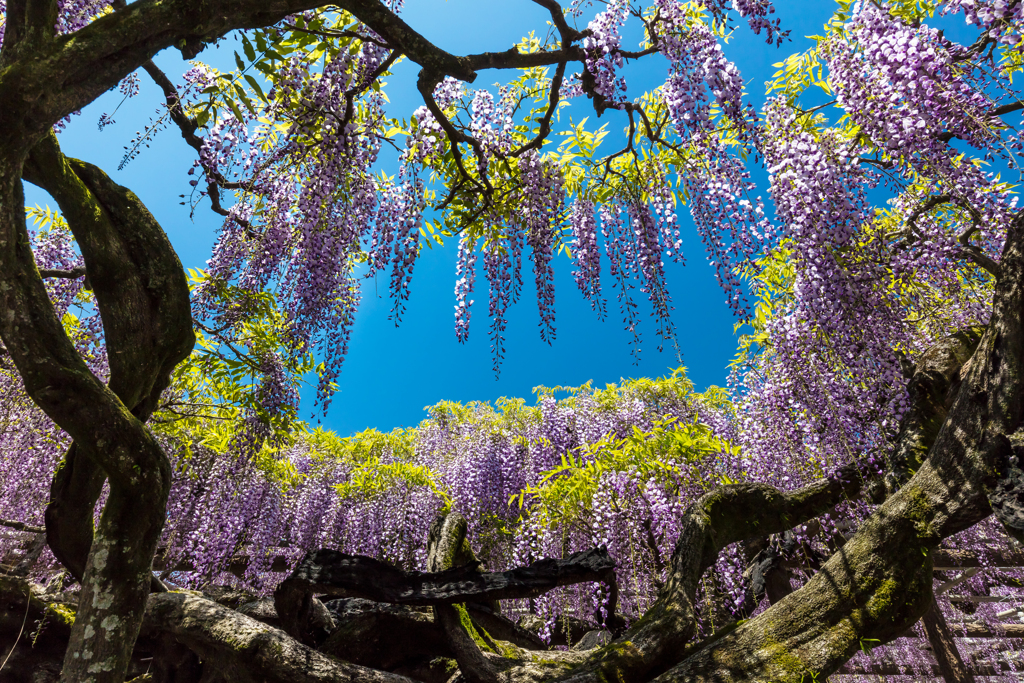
(392, 373)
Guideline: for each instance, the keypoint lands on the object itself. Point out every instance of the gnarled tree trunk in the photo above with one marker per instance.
(879, 583)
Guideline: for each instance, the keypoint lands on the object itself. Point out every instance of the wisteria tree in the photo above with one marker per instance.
(881, 364)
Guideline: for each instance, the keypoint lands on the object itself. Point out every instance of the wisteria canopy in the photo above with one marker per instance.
(850, 506)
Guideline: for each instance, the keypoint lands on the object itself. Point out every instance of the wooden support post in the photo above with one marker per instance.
(951, 665)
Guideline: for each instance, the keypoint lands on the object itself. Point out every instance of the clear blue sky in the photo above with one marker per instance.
(392, 373)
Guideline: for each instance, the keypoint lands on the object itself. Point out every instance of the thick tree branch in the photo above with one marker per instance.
(66, 74)
(74, 491)
(383, 636)
(935, 379)
(143, 299)
(724, 516)
(447, 548)
(504, 629)
(29, 25)
(142, 294)
(58, 380)
(944, 648)
(568, 33)
(329, 572)
(880, 582)
(513, 59)
(473, 664)
(974, 253)
(138, 281)
(72, 274)
(245, 650)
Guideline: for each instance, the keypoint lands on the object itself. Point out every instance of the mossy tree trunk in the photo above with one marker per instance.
(142, 295)
(880, 582)
(116, 576)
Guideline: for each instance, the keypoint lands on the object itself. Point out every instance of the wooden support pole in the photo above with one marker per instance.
(951, 664)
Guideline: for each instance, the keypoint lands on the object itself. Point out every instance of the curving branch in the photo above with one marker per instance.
(59, 381)
(513, 59)
(974, 253)
(333, 573)
(724, 516)
(188, 127)
(544, 129)
(947, 655)
(968, 251)
(925, 207)
(425, 83)
(137, 278)
(880, 582)
(143, 298)
(244, 649)
(568, 33)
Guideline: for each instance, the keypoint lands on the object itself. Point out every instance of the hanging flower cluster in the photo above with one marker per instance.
(541, 206)
(907, 91)
(602, 49)
(830, 382)
(1003, 21)
(586, 253)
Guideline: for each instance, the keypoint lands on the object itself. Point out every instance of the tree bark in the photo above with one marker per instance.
(879, 583)
(384, 636)
(447, 548)
(75, 488)
(142, 294)
(329, 572)
(245, 650)
(936, 376)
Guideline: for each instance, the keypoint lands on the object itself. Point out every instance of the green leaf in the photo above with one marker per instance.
(247, 47)
(266, 68)
(234, 109)
(242, 95)
(255, 86)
